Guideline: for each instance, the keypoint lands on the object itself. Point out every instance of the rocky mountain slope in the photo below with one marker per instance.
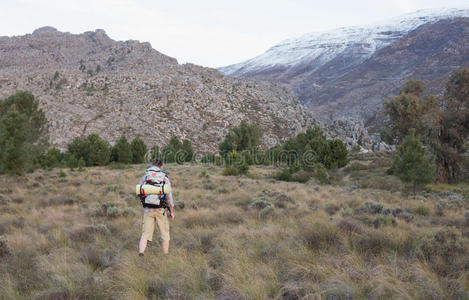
(89, 83)
(347, 72)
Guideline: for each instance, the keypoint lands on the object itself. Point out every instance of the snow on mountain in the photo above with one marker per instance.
(317, 49)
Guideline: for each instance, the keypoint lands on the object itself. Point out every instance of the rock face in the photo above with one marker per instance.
(354, 134)
(89, 83)
(349, 71)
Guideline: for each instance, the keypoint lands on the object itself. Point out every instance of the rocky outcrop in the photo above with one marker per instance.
(88, 83)
(355, 135)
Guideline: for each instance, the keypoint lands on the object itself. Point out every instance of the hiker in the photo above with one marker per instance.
(156, 213)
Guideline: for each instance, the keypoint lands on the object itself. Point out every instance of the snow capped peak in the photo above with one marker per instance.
(318, 48)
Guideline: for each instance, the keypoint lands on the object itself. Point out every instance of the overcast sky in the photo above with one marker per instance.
(211, 33)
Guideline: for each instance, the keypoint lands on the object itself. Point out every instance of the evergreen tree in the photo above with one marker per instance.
(139, 149)
(188, 151)
(155, 152)
(52, 159)
(13, 134)
(79, 148)
(443, 123)
(242, 137)
(412, 164)
(122, 151)
(99, 151)
(23, 132)
(173, 151)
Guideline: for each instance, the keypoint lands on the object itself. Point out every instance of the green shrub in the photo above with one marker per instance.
(355, 166)
(422, 210)
(383, 221)
(320, 174)
(284, 175)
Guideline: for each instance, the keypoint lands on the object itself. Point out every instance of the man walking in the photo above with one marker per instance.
(154, 207)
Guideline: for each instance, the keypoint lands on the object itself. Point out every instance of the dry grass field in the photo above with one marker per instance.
(73, 235)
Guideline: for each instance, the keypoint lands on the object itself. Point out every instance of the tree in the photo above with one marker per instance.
(79, 148)
(173, 151)
(442, 123)
(122, 152)
(99, 151)
(242, 137)
(139, 149)
(13, 127)
(23, 132)
(188, 151)
(155, 152)
(53, 158)
(412, 164)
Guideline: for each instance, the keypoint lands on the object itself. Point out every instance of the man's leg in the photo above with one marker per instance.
(147, 231)
(163, 225)
(166, 247)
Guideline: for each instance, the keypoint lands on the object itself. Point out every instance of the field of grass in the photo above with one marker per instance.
(74, 235)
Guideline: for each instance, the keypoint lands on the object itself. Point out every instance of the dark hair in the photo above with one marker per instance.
(157, 162)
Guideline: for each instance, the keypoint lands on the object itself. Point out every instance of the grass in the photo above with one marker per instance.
(236, 237)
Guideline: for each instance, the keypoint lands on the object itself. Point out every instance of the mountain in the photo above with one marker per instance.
(348, 71)
(88, 83)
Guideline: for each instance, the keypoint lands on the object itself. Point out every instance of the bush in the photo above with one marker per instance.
(320, 174)
(445, 249)
(52, 159)
(235, 164)
(422, 210)
(284, 175)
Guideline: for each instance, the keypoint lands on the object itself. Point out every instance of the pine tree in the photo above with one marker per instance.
(122, 152)
(99, 151)
(79, 148)
(139, 150)
(245, 136)
(173, 151)
(188, 151)
(412, 164)
(12, 141)
(155, 152)
(23, 132)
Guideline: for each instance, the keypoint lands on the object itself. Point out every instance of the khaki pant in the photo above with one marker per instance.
(149, 219)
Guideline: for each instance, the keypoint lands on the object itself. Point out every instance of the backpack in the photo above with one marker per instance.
(154, 176)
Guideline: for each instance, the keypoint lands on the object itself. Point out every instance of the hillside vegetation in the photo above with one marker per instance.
(68, 234)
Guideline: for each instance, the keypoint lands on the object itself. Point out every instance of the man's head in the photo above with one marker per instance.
(158, 163)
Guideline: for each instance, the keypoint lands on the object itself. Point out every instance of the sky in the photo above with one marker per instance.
(211, 33)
